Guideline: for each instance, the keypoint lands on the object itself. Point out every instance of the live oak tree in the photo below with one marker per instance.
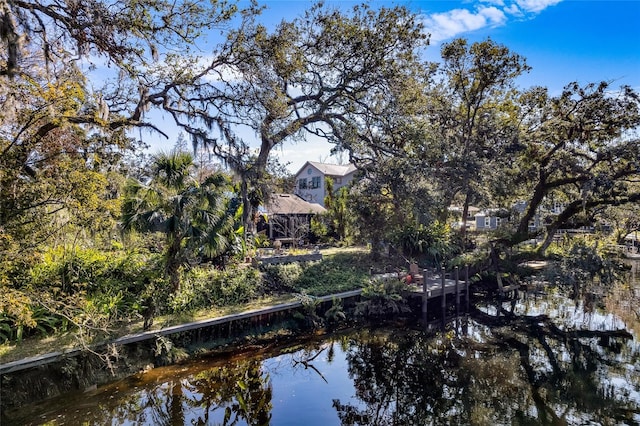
(73, 72)
(148, 54)
(471, 112)
(372, 204)
(446, 142)
(58, 183)
(53, 175)
(580, 146)
(323, 75)
(75, 76)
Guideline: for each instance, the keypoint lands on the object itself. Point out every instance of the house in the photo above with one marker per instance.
(488, 220)
(491, 219)
(310, 180)
(287, 217)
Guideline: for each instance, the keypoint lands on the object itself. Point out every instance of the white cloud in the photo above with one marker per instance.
(447, 25)
(495, 16)
(536, 6)
(513, 10)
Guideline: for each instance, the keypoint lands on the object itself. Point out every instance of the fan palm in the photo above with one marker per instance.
(192, 215)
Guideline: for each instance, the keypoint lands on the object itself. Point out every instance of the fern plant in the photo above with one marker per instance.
(382, 298)
(308, 316)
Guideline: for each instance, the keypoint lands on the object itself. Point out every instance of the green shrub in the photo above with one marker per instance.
(95, 272)
(112, 305)
(433, 242)
(204, 287)
(82, 286)
(239, 286)
(382, 298)
(196, 290)
(42, 322)
(474, 259)
(307, 316)
(6, 328)
(333, 275)
(48, 323)
(279, 278)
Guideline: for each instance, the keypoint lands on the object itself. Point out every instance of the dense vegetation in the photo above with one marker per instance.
(95, 233)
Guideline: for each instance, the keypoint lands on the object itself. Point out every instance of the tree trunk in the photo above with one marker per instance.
(247, 208)
(551, 232)
(532, 206)
(173, 271)
(172, 265)
(375, 248)
(465, 213)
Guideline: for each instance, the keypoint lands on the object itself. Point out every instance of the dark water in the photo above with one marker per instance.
(544, 359)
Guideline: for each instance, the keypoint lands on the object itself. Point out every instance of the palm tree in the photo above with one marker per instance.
(192, 215)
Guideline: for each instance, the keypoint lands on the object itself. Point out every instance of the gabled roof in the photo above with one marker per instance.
(291, 204)
(458, 209)
(329, 169)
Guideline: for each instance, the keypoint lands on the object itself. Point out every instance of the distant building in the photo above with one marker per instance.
(488, 220)
(287, 217)
(310, 180)
(492, 219)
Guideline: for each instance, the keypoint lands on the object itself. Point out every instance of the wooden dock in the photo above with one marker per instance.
(433, 288)
(440, 286)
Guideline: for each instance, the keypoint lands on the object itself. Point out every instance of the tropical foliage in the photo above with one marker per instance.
(382, 298)
(192, 215)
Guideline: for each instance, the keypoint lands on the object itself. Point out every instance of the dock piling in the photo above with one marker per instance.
(425, 295)
(466, 284)
(457, 274)
(443, 292)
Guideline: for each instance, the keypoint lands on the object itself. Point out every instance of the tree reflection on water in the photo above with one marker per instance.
(239, 392)
(538, 360)
(508, 368)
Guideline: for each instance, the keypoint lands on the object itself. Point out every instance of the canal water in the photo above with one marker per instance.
(542, 359)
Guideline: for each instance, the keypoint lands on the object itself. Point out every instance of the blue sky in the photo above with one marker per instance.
(562, 40)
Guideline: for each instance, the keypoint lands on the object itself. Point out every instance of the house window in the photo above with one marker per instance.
(498, 220)
(302, 184)
(309, 170)
(487, 222)
(337, 181)
(315, 182)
